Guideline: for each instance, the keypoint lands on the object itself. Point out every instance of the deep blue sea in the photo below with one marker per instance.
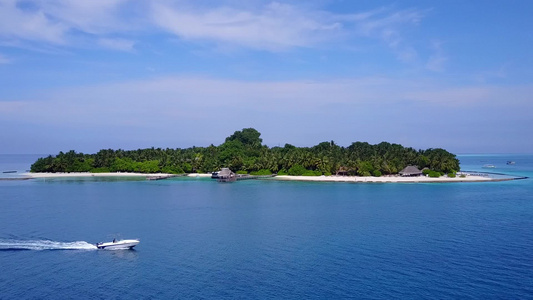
(268, 240)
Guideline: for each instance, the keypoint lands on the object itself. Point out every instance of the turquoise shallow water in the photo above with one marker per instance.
(268, 239)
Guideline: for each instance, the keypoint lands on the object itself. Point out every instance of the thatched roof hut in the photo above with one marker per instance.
(342, 171)
(410, 171)
(226, 175)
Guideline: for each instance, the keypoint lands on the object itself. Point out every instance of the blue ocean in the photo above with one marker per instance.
(266, 239)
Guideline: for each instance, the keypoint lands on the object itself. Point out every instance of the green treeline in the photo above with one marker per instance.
(244, 152)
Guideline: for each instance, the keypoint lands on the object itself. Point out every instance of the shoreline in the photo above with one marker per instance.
(389, 179)
(333, 178)
(117, 174)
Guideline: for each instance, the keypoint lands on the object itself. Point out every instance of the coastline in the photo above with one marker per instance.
(388, 179)
(333, 178)
(117, 174)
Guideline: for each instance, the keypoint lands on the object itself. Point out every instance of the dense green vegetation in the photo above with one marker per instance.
(243, 151)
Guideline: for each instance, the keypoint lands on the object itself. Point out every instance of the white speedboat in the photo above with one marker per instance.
(118, 244)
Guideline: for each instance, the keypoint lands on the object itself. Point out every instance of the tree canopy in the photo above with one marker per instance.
(243, 151)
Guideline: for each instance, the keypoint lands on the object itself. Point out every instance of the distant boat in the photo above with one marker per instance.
(9, 172)
(489, 166)
(122, 244)
(510, 162)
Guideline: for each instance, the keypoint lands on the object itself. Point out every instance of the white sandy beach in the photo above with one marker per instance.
(385, 179)
(358, 179)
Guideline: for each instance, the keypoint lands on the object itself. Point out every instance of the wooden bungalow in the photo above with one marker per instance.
(342, 171)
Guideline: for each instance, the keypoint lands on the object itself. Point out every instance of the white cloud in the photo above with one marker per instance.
(278, 26)
(385, 19)
(94, 16)
(390, 26)
(59, 22)
(273, 27)
(367, 109)
(117, 44)
(33, 25)
(160, 100)
(455, 96)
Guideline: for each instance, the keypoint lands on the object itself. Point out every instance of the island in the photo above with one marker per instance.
(243, 153)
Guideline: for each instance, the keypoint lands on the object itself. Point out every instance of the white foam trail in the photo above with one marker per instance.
(44, 245)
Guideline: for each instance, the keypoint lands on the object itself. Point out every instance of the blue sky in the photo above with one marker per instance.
(88, 75)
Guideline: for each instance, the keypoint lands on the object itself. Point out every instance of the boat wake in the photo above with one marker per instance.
(6, 245)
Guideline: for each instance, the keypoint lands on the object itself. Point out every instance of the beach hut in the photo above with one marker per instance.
(342, 171)
(226, 175)
(410, 171)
